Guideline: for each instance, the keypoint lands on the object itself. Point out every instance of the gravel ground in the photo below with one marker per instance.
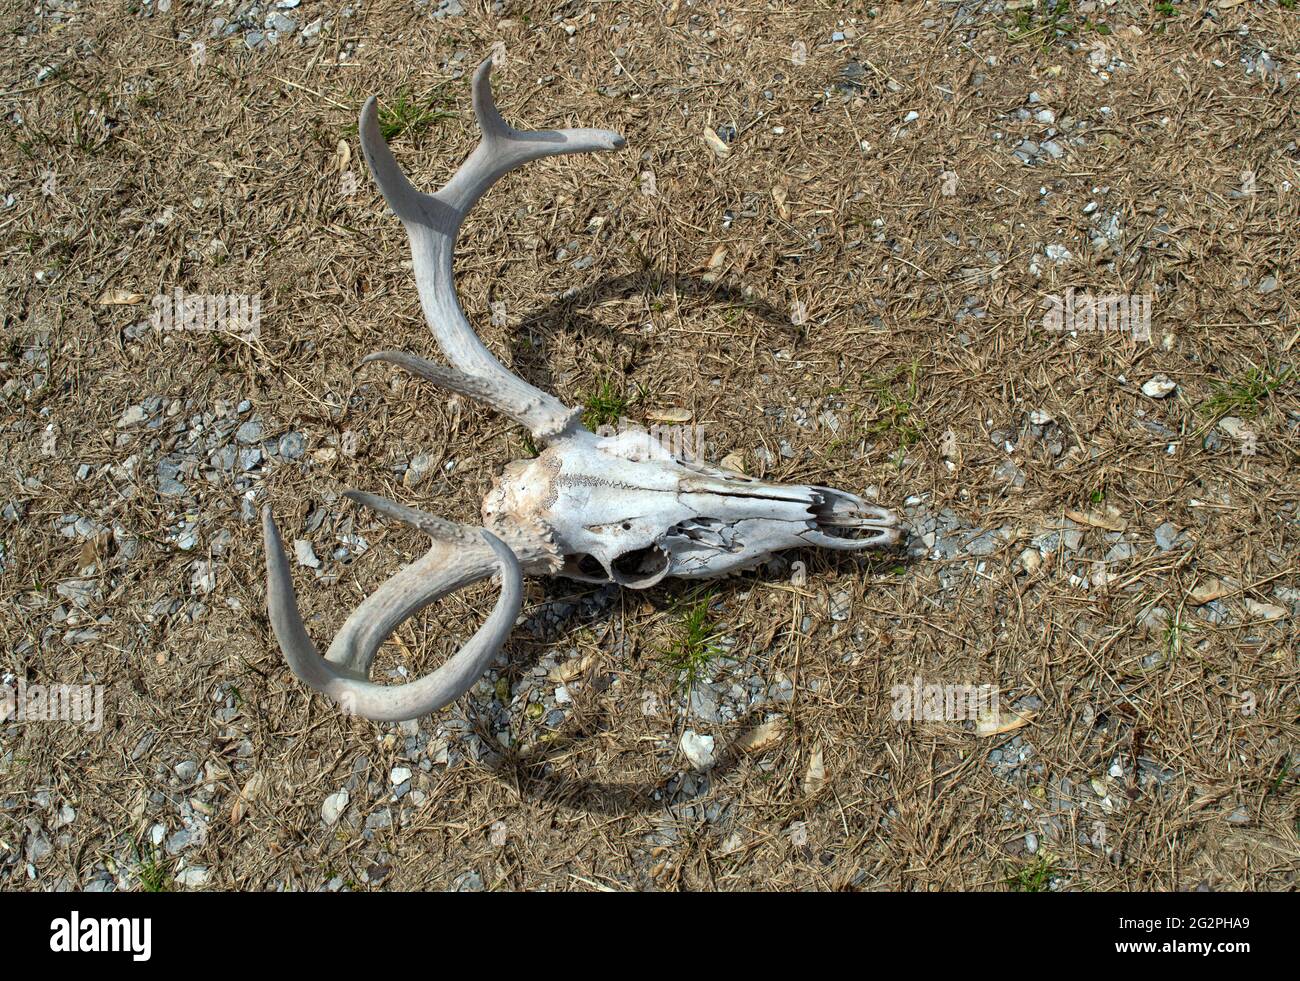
(830, 243)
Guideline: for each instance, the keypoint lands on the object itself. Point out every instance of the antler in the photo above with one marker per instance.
(432, 223)
(458, 556)
(454, 561)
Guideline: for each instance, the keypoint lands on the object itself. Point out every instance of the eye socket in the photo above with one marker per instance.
(584, 568)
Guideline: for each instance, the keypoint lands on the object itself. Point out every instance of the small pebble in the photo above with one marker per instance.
(334, 806)
(1159, 387)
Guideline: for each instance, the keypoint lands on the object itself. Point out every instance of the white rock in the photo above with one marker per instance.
(195, 878)
(1234, 427)
(203, 578)
(799, 834)
(399, 775)
(1265, 611)
(1159, 387)
(698, 749)
(334, 806)
(132, 417)
(305, 554)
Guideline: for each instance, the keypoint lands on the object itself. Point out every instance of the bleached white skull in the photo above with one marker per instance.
(621, 508)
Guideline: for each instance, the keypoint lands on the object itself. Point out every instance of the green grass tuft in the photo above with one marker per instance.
(696, 647)
(1244, 394)
(408, 115)
(152, 873)
(604, 407)
(1035, 877)
(895, 411)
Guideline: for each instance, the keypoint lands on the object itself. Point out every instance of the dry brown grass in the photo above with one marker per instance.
(692, 312)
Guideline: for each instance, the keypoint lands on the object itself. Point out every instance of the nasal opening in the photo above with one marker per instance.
(839, 514)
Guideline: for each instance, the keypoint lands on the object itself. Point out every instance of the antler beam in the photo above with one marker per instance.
(433, 221)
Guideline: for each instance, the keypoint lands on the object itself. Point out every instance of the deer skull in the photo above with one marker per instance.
(619, 508)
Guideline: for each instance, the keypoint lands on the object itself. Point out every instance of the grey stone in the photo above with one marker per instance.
(178, 842)
(468, 882)
(133, 416)
(704, 702)
(38, 848)
(447, 8)
(224, 458)
(985, 544)
(169, 483)
(78, 591)
(193, 878)
(293, 445)
(417, 469)
(1120, 552)
(841, 603)
(249, 432)
(1009, 472)
(1027, 150)
(1166, 536)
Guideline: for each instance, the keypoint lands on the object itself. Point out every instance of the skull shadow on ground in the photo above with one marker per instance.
(575, 313)
(531, 767)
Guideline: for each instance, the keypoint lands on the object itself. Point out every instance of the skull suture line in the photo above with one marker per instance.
(618, 508)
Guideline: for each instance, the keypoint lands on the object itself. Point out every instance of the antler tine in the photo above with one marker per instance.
(433, 221)
(456, 559)
(449, 378)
